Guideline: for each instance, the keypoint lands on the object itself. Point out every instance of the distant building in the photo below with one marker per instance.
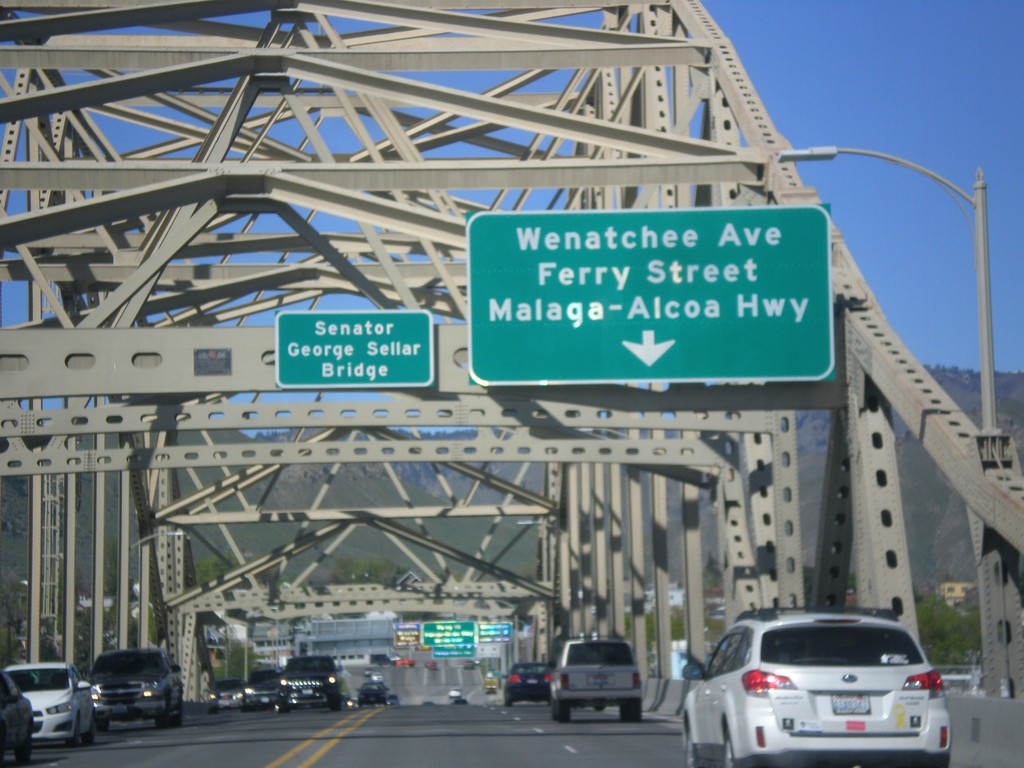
(955, 593)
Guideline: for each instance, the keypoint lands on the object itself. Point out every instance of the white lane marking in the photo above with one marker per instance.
(570, 749)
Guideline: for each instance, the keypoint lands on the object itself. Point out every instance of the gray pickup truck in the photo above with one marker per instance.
(137, 684)
(596, 673)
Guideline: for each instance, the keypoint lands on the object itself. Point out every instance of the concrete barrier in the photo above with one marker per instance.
(987, 733)
(664, 697)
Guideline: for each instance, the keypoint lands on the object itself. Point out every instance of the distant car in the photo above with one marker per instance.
(261, 689)
(16, 715)
(373, 693)
(490, 684)
(310, 681)
(226, 693)
(528, 681)
(393, 700)
(403, 662)
(61, 702)
(790, 687)
(469, 664)
(431, 665)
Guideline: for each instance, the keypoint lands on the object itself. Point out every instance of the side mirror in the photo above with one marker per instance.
(83, 685)
(693, 671)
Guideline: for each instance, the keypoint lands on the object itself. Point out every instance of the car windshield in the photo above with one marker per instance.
(839, 645)
(310, 664)
(600, 653)
(264, 675)
(228, 683)
(127, 664)
(40, 679)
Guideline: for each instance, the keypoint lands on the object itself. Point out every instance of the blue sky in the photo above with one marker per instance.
(937, 82)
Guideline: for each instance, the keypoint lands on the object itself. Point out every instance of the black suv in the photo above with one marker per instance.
(309, 681)
(137, 684)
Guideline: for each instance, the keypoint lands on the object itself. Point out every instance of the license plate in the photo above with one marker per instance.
(597, 680)
(307, 691)
(531, 681)
(847, 704)
(120, 709)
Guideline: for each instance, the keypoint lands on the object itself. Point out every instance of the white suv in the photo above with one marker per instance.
(794, 688)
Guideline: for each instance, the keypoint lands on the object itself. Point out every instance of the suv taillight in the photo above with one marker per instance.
(758, 683)
(515, 679)
(548, 677)
(927, 681)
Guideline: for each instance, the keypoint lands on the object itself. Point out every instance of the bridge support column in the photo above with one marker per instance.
(1000, 595)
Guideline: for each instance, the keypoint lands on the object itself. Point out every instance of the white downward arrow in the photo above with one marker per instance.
(648, 351)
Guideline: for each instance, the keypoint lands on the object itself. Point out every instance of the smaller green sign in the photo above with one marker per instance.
(495, 632)
(345, 350)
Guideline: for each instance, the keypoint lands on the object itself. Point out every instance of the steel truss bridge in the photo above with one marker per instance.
(175, 173)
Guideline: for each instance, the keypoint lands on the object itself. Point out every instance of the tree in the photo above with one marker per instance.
(950, 636)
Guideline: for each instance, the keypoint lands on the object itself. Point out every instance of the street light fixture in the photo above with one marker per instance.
(979, 202)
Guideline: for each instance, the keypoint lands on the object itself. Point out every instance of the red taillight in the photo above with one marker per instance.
(636, 679)
(758, 683)
(565, 682)
(548, 677)
(927, 681)
(515, 679)
(944, 737)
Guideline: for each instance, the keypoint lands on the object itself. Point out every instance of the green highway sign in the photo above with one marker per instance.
(707, 294)
(334, 350)
(449, 634)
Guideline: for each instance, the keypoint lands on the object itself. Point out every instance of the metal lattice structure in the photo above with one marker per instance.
(176, 173)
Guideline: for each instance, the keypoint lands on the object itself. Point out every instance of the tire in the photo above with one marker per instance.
(560, 711)
(178, 716)
(89, 737)
(75, 739)
(23, 752)
(282, 707)
(508, 701)
(163, 720)
(631, 711)
(728, 759)
(689, 752)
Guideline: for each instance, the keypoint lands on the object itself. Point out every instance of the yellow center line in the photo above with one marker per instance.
(359, 720)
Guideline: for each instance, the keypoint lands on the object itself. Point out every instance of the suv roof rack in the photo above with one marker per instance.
(770, 614)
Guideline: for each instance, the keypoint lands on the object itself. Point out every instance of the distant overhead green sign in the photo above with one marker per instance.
(712, 294)
(325, 350)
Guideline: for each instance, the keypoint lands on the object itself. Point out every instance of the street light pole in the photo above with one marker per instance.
(979, 231)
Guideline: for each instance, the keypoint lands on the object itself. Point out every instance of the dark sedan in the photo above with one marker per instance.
(528, 681)
(373, 693)
(262, 688)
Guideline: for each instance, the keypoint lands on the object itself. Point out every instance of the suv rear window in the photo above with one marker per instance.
(600, 653)
(839, 645)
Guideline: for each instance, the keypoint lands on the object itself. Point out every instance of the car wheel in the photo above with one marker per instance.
(728, 758)
(23, 752)
(631, 711)
(75, 739)
(689, 753)
(562, 711)
(89, 737)
(508, 701)
(282, 707)
(178, 717)
(163, 720)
